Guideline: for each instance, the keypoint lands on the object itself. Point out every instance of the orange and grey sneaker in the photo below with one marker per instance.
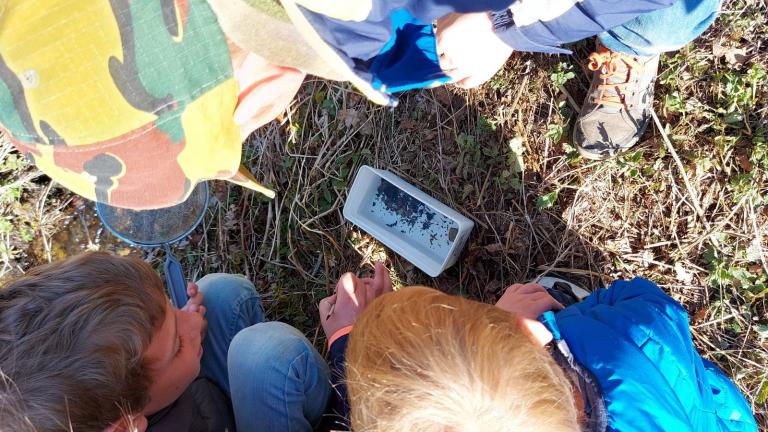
(617, 108)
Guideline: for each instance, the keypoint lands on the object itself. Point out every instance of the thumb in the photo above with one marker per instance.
(191, 289)
(382, 283)
(346, 290)
(535, 330)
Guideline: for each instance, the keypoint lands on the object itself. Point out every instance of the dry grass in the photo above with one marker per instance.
(690, 214)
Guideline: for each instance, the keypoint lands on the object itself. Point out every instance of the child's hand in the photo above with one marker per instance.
(470, 51)
(195, 302)
(352, 296)
(528, 301)
(265, 89)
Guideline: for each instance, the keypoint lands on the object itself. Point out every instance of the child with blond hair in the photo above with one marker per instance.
(622, 359)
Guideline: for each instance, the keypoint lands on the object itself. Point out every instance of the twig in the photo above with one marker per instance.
(548, 269)
(571, 101)
(719, 320)
(683, 174)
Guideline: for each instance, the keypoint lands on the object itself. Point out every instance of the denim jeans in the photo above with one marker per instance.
(273, 375)
(662, 30)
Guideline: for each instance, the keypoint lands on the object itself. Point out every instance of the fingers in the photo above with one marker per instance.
(191, 289)
(515, 289)
(382, 283)
(535, 330)
(528, 288)
(325, 306)
(346, 290)
(366, 291)
(545, 300)
(265, 90)
(351, 289)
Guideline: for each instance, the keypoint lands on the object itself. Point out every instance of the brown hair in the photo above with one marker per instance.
(420, 360)
(72, 340)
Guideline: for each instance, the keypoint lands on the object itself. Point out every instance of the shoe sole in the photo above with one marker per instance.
(599, 157)
(594, 156)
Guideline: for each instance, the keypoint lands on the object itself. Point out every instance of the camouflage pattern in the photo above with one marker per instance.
(127, 102)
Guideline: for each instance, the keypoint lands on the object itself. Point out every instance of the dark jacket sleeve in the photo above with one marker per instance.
(337, 414)
(203, 407)
(544, 25)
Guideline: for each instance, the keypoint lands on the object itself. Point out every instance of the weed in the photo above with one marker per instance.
(562, 74)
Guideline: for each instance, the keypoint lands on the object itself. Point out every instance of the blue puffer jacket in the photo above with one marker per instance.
(635, 340)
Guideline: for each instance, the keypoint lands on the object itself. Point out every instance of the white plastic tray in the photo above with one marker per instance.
(420, 228)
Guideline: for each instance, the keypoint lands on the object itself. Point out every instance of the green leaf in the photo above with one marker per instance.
(516, 150)
(762, 330)
(546, 201)
(554, 132)
(762, 394)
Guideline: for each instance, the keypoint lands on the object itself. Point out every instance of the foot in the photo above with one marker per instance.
(617, 108)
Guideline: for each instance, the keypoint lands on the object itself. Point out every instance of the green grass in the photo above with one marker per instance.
(501, 155)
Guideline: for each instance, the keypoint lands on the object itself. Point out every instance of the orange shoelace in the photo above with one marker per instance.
(614, 78)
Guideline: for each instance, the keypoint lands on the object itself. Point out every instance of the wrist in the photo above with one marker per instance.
(339, 333)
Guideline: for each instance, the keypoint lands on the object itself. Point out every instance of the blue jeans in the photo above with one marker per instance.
(662, 30)
(273, 375)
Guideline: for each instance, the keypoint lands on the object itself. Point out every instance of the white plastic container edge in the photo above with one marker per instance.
(358, 210)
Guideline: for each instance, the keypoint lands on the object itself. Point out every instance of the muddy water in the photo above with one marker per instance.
(81, 231)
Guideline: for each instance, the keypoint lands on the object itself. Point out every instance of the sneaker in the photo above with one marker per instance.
(563, 290)
(617, 108)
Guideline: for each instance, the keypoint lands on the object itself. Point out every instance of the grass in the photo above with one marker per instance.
(686, 208)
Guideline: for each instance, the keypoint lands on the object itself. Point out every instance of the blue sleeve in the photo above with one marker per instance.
(636, 294)
(585, 18)
(633, 332)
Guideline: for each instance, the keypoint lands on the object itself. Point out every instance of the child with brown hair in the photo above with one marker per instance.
(622, 359)
(92, 343)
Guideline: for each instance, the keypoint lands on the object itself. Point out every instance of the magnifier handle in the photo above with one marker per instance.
(174, 279)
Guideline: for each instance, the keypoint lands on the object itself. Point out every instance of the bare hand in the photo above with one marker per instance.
(529, 300)
(266, 90)
(195, 302)
(352, 296)
(470, 50)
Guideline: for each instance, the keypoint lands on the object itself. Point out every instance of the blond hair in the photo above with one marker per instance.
(422, 361)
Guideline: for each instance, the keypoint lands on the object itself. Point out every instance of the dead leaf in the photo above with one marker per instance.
(350, 117)
(733, 56)
(744, 162)
(443, 96)
(409, 124)
(367, 128)
(700, 315)
(493, 248)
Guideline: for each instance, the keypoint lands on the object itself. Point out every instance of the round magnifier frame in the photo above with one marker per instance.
(104, 210)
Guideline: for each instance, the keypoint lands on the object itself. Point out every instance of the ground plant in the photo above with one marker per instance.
(686, 208)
